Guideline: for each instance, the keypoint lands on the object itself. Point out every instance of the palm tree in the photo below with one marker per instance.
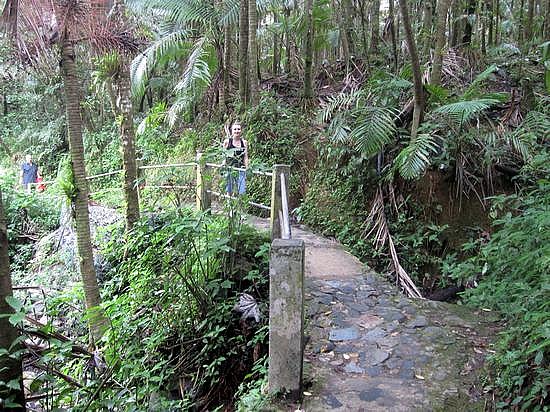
(10, 367)
(252, 52)
(243, 50)
(75, 22)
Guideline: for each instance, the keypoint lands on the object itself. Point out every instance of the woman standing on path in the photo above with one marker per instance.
(237, 156)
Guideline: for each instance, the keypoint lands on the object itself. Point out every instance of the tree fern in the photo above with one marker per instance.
(375, 127)
(463, 111)
(142, 66)
(414, 159)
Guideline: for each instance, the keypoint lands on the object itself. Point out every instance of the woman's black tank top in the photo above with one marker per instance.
(237, 160)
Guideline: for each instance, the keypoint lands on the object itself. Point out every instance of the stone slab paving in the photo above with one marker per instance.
(369, 348)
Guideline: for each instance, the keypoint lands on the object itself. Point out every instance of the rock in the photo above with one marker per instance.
(418, 322)
(332, 401)
(352, 367)
(337, 335)
(371, 394)
(378, 357)
(374, 335)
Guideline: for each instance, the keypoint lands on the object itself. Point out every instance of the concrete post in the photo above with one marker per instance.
(276, 203)
(203, 195)
(286, 316)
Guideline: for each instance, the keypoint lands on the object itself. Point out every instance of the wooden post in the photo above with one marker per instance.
(203, 185)
(276, 203)
(139, 184)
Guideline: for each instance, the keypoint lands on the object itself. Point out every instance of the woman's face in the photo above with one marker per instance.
(236, 130)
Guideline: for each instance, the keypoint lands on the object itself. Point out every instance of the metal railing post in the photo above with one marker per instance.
(276, 199)
(203, 185)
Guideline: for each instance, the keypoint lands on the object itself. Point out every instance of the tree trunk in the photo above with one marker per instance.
(417, 74)
(128, 137)
(497, 21)
(10, 368)
(287, 67)
(74, 124)
(393, 37)
(491, 7)
(243, 51)
(364, 33)
(276, 47)
(8, 20)
(427, 30)
(456, 13)
(521, 25)
(529, 25)
(440, 40)
(308, 61)
(375, 26)
(227, 64)
(348, 18)
(252, 52)
(468, 28)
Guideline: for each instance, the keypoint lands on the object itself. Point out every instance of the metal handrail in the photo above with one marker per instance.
(284, 219)
(240, 169)
(114, 172)
(190, 164)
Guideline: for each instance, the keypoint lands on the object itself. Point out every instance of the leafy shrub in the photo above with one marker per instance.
(511, 270)
(170, 297)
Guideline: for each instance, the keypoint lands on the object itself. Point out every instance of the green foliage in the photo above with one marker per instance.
(170, 300)
(511, 271)
(28, 216)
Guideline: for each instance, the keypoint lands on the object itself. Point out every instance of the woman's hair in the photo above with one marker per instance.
(236, 122)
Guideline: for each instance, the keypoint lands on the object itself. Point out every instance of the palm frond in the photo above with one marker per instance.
(338, 103)
(375, 128)
(180, 11)
(464, 111)
(534, 126)
(196, 73)
(143, 64)
(414, 159)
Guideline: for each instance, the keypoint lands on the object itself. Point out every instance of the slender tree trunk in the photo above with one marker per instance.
(122, 106)
(276, 47)
(227, 64)
(82, 218)
(483, 16)
(440, 40)
(457, 21)
(375, 26)
(8, 20)
(497, 21)
(348, 18)
(308, 61)
(393, 37)
(546, 24)
(521, 28)
(417, 74)
(252, 52)
(243, 51)
(10, 368)
(468, 28)
(364, 33)
(287, 67)
(427, 30)
(491, 6)
(529, 25)
(128, 137)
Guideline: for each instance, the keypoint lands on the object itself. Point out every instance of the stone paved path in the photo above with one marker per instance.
(372, 349)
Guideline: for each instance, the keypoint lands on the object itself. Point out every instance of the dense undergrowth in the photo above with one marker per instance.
(175, 324)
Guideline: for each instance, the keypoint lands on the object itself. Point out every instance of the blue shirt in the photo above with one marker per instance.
(30, 172)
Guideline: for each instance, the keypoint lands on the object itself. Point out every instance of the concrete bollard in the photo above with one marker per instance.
(276, 199)
(203, 195)
(286, 317)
